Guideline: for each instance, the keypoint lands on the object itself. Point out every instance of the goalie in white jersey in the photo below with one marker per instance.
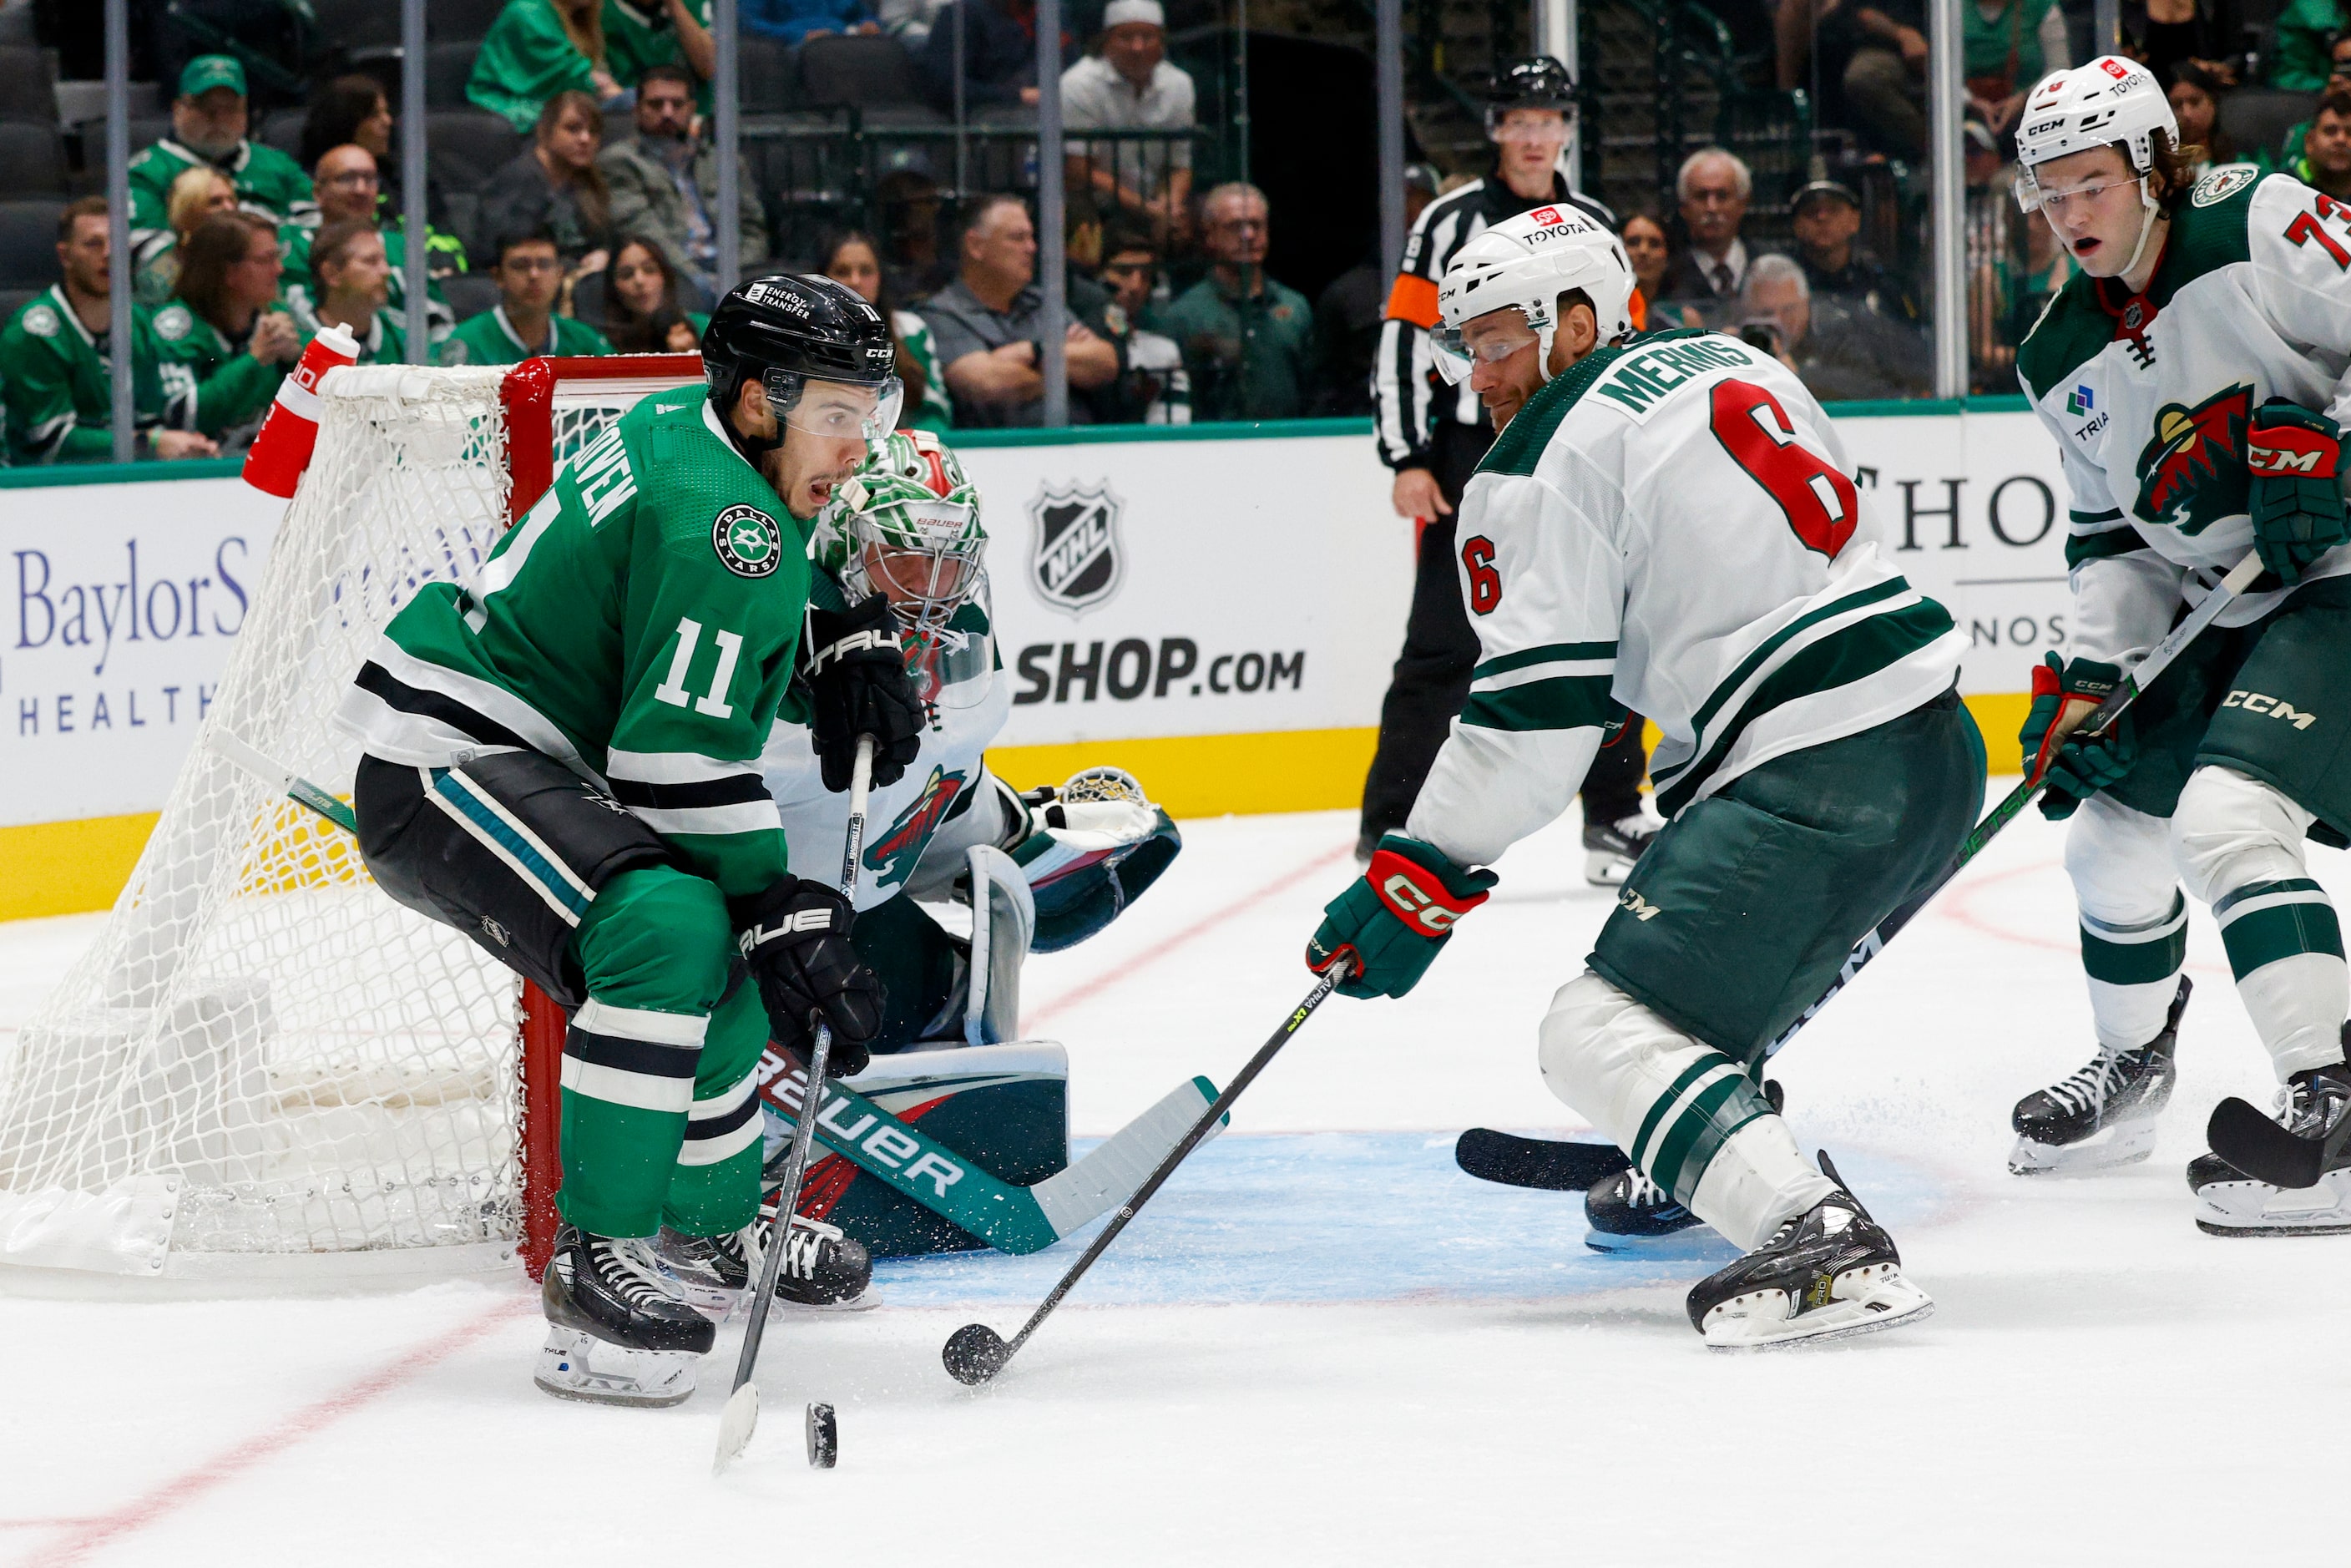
(1670, 525)
(2193, 378)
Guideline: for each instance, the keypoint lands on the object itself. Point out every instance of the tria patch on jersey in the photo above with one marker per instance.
(2192, 474)
(747, 541)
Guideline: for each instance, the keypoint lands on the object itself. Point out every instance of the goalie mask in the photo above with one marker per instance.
(1526, 262)
(907, 526)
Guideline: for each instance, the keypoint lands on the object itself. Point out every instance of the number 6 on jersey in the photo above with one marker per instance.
(1820, 503)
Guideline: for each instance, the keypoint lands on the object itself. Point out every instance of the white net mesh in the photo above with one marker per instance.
(265, 1065)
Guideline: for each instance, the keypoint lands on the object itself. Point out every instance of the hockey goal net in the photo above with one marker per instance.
(264, 1066)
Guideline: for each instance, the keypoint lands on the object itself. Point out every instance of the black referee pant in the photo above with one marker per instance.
(1432, 675)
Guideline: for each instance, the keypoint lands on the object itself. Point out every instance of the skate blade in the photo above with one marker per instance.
(576, 1365)
(1695, 1243)
(2110, 1148)
(1887, 1302)
(2256, 1209)
(1606, 868)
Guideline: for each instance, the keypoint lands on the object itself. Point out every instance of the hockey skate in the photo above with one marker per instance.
(1828, 1273)
(2310, 1107)
(2104, 1116)
(1611, 848)
(1629, 1213)
(823, 1270)
(618, 1333)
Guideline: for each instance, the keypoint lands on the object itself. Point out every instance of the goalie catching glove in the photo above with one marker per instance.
(2063, 695)
(1087, 850)
(858, 681)
(2296, 492)
(796, 946)
(1391, 924)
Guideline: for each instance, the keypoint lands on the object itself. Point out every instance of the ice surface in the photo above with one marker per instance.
(1322, 1345)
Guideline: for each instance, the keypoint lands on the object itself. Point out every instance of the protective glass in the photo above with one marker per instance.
(1455, 357)
(2035, 197)
(841, 411)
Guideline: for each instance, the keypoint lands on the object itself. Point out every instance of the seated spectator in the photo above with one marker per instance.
(55, 364)
(352, 111)
(2166, 34)
(1841, 354)
(557, 186)
(642, 311)
(1248, 340)
(797, 21)
(350, 283)
(196, 194)
(2339, 75)
(1130, 86)
(2196, 104)
(2008, 46)
(2326, 160)
(1885, 73)
(538, 50)
(523, 324)
(999, 54)
(2296, 59)
(984, 325)
(1713, 187)
(1826, 216)
(345, 179)
(208, 127)
(1649, 248)
(642, 33)
(851, 258)
(1152, 387)
(662, 182)
(222, 326)
(1350, 313)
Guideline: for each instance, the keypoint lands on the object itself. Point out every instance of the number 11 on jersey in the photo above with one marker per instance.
(673, 689)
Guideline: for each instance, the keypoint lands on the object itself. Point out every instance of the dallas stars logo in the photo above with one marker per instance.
(747, 541)
(892, 859)
(2193, 472)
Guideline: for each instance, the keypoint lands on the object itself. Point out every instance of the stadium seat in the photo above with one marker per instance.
(28, 84)
(461, 21)
(12, 300)
(28, 241)
(2257, 119)
(470, 293)
(858, 70)
(767, 66)
(467, 146)
(32, 160)
(282, 128)
(362, 29)
(447, 65)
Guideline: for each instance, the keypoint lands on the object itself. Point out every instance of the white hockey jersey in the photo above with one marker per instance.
(1671, 528)
(970, 700)
(2149, 398)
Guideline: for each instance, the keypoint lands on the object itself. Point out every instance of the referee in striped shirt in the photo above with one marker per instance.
(1433, 436)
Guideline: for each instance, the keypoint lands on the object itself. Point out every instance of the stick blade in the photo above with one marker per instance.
(1547, 1165)
(735, 1425)
(974, 1353)
(2263, 1149)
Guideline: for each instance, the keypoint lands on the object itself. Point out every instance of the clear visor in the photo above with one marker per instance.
(2034, 196)
(1522, 125)
(955, 668)
(846, 411)
(1456, 357)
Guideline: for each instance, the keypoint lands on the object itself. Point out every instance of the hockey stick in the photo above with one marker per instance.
(1009, 1217)
(741, 1417)
(1539, 1162)
(287, 782)
(975, 1353)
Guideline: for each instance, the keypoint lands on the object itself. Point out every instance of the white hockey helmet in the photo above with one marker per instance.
(1527, 261)
(2110, 102)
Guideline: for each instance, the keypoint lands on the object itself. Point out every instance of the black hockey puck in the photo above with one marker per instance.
(823, 1437)
(974, 1353)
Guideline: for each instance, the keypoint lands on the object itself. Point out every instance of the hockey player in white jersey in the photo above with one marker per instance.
(2193, 378)
(1670, 525)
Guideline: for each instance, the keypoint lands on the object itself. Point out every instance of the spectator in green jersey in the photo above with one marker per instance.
(209, 123)
(530, 275)
(222, 328)
(538, 48)
(351, 282)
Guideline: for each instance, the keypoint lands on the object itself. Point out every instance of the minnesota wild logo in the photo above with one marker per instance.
(892, 859)
(2193, 472)
(747, 541)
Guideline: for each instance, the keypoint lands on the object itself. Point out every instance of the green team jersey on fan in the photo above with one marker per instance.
(298, 290)
(58, 389)
(639, 625)
(269, 184)
(2149, 398)
(232, 387)
(1671, 527)
(490, 338)
(638, 36)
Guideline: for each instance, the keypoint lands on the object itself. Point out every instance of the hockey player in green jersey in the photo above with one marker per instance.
(2193, 380)
(561, 759)
(1670, 525)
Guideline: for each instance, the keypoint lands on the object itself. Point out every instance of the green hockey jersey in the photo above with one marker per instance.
(232, 387)
(490, 338)
(299, 290)
(527, 59)
(639, 625)
(269, 184)
(58, 394)
(639, 35)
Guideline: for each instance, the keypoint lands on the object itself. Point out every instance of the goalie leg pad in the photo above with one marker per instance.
(2238, 845)
(1003, 928)
(511, 849)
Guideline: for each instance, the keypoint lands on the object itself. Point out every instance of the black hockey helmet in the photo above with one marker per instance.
(788, 330)
(1536, 82)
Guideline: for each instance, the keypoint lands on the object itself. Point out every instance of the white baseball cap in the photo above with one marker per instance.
(1118, 13)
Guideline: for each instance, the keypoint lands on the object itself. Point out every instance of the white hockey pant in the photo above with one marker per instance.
(1690, 1119)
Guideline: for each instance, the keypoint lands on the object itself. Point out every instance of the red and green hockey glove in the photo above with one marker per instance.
(2296, 493)
(1391, 924)
(2063, 695)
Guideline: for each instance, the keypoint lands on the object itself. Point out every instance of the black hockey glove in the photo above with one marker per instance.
(796, 945)
(857, 671)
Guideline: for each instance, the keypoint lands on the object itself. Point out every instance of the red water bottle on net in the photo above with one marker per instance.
(282, 451)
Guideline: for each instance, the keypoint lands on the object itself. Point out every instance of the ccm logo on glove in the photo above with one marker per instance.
(1414, 895)
(2292, 451)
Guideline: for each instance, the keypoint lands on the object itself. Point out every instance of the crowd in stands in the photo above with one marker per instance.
(595, 228)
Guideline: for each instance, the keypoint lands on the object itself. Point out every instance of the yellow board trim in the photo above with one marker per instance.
(68, 868)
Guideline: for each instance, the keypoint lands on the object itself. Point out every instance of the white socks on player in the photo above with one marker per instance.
(1666, 1099)
(2238, 843)
(2134, 921)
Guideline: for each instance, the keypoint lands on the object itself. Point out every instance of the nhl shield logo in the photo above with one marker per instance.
(1078, 561)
